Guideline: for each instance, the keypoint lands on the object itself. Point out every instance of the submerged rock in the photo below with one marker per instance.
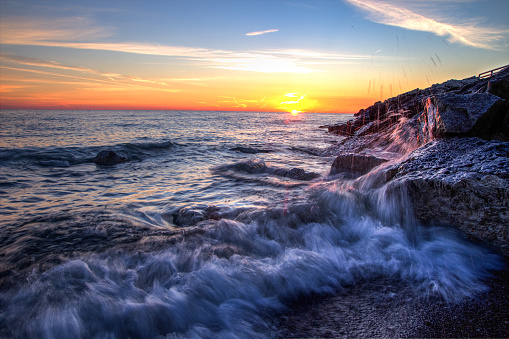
(295, 173)
(250, 150)
(462, 182)
(109, 158)
(355, 163)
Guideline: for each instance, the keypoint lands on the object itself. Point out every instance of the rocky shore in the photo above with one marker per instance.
(447, 148)
(455, 140)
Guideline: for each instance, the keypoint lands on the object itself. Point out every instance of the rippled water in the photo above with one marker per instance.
(218, 222)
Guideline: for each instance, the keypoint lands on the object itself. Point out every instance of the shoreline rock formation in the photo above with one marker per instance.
(455, 140)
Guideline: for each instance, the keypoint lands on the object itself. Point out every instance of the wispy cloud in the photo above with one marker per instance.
(262, 32)
(470, 34)
(27, 31)
(109, 78)
(83, 35)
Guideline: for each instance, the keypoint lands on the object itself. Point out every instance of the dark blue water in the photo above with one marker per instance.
(219, 222)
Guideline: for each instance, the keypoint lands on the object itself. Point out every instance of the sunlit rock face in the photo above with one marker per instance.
(455, 114)
(463, 182)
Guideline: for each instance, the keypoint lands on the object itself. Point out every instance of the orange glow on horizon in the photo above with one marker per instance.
(52, 88)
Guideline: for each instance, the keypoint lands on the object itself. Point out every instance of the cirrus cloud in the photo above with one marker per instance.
(262, 32)
(470, 34)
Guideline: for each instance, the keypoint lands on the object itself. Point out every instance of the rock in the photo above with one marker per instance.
(462, 182)
(453, 114)
(188, 217)
(251, 166)
(457, 137)
(499, 87)
(109, 158)
(295, 173)
(249, 150)
(354, 163)
(463, 104)
(494, 125)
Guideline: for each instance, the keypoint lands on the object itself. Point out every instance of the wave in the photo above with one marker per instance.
(230, 277)
(70, 156)
(258, 166)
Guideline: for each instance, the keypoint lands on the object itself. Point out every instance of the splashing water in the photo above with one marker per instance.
(229, 277)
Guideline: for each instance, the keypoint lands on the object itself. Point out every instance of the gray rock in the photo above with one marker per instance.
(462, 182)
(354, 163)
(450, 113)
(499, 87)
(188, 217)
(458, 106)
(109, 158)
(295, 173)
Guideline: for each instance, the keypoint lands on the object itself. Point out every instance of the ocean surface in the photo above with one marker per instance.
(218, 222)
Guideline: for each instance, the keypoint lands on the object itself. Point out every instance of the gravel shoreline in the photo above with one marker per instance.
(386, 309)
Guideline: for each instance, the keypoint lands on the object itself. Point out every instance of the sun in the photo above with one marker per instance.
(295, 112)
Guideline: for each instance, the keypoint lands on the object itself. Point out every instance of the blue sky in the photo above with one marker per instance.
(337, 55)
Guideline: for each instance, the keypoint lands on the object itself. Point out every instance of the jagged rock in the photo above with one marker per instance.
(460, 179)
(109, 158)
(494, 125)
(462, 182)
(459, 104)
(354, 163)
(450, 114)
(499, 87)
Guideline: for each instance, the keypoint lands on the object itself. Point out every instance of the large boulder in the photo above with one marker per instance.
(355, 163)
(453, 114)
(462, 182)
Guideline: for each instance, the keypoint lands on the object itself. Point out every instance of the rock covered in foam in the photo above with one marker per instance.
(463, 182)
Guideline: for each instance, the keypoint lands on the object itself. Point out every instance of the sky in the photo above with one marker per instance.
(333, 56)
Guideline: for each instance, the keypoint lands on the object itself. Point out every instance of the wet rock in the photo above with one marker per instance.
(251, 166)
(190, 216)
(109, 158)
(295, 173)
(354, 163)
(462, 182)
(250, 150)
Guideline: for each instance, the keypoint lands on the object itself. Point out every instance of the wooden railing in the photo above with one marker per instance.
(489, 74)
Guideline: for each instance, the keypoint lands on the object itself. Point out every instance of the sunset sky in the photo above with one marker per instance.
(311, 56)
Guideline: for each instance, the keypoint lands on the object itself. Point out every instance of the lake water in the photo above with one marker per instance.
(217, 223)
